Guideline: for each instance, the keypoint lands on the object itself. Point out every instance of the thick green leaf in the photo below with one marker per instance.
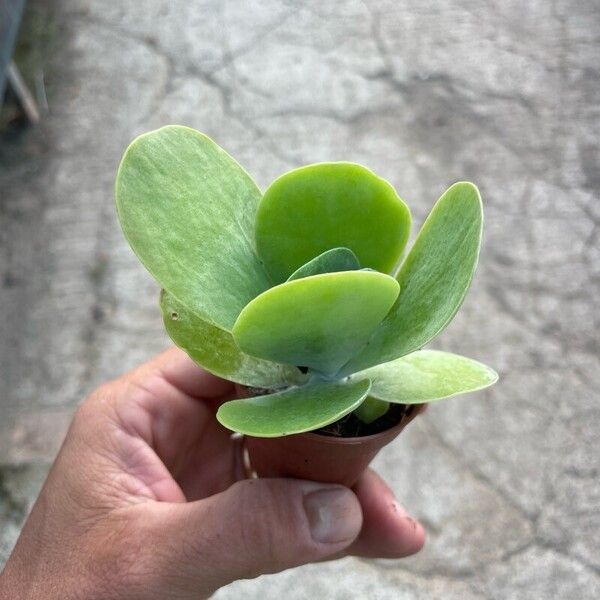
(329, 205)
(187, 209)
(331, 261)
(317, 322)
(295, 410)
(371, 409)
(214, 349)
(434, 278)
(427, 376)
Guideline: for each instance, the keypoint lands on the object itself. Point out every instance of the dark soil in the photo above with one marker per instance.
(352, 426)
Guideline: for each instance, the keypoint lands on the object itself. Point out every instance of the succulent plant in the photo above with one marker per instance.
(300, 291)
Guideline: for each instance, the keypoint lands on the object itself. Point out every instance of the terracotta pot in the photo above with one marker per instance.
(318, 457)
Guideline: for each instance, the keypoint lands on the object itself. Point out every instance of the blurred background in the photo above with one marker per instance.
(506, 94)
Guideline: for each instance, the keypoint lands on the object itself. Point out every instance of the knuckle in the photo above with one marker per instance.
(258, 531)
(96, 402)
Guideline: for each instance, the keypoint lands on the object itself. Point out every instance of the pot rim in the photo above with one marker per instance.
(336, 440)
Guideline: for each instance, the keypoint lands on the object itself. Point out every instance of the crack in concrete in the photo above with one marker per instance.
(150, 44)
(533, 519)
(480, 477)
(564, 552)
(229, 55)
(450, 94)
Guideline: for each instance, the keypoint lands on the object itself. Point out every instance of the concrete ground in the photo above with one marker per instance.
(425, 93)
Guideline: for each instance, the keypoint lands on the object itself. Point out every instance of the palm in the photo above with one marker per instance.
(167, 446)
(170, 446)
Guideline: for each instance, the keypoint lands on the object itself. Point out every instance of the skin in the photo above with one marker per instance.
(147, 499)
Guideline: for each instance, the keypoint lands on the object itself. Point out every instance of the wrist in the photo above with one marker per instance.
(25, 583)
(17, 581)
(30, 574)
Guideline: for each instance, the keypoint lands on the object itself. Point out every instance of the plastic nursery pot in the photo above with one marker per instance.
(318, 457)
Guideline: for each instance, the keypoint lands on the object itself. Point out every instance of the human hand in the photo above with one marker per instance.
(146, 499)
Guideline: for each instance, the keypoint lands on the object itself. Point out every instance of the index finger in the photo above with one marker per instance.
(180, 371)
(388, 530)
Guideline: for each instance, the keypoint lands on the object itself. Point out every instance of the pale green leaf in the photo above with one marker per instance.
(296, 410)
(317, 322)
(331, 261)
(434, 278)
(187, 209)
(371, 409)
(329, 205)
(427, 376)
(215, 350)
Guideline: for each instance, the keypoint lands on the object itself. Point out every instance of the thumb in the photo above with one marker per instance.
(254, 527)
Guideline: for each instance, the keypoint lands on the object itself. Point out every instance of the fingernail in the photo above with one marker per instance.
(333, 515)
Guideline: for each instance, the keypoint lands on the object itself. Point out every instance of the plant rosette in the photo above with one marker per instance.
(301, 295)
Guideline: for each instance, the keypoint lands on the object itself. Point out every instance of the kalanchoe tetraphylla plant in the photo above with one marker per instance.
(301, 291)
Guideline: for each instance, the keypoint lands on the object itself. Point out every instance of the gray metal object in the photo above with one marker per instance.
(11, 12)
(25, 99)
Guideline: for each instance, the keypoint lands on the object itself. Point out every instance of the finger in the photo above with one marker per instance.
(164, 402)
(178, 369)
(255, 527)
(388, 530)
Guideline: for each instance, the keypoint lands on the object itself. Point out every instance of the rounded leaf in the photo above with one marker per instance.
(434, 278)
(215, 350)
(331, 261)
(187, 209)
(315, 208)
(427, 376)
(371, 409)
(317, 322)
(296, 410)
